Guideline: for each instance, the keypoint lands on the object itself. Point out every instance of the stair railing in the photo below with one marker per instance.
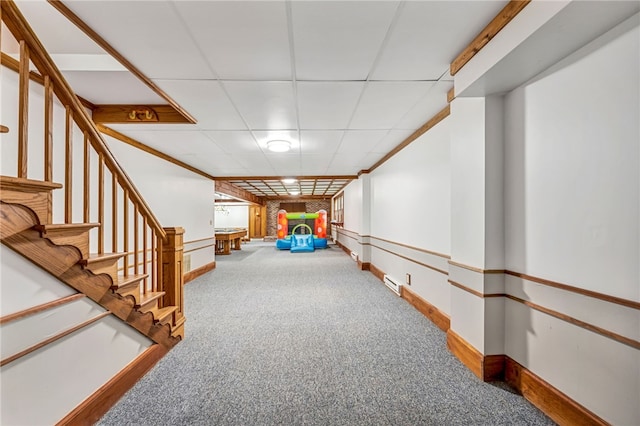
(134, 228)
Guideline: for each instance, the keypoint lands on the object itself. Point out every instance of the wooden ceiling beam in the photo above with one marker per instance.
(327, 177)
(498, 23)
(130, 114)
(231, 190)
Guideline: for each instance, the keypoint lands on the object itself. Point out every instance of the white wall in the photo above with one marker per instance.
(233, 216)
(573, 170)
(572, 197)
(96, 352)
(411, 206)
(176, 196)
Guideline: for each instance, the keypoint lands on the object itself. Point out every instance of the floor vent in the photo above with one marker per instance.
(392, 284)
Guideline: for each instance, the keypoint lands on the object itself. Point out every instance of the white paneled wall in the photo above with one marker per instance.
(36, 389)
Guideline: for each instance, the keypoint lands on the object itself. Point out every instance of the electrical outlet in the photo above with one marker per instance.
(408, 279)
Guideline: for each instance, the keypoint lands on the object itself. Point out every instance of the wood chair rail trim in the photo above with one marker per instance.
(53, 338)
(39, 308)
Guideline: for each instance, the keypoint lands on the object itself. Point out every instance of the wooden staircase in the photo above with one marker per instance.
(95, 234)
(63, 251)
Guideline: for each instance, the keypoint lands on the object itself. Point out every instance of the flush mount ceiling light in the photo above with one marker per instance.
(294, 192)
(278, 145)
(289, 181)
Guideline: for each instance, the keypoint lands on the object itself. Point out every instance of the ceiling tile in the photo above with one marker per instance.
(337, 40)
(148, 33)
(431, 104)
(319, 141)
(206, 101)
(416, 48)
(327, 105)
(383, 104)
(57, 33)
(177, 143)
(241, 39)
(104, 87)
(360, 141)
(233, 142)
(264, 105)
(391, 140)
(288, 135)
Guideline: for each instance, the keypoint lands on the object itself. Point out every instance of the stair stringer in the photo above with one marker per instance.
(62, 261)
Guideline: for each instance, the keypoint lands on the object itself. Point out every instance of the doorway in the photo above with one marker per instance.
(257, 221)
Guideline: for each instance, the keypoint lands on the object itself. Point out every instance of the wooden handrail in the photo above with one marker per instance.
(162, 266)
(17, 24)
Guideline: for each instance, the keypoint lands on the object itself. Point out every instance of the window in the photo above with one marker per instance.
(338, 209)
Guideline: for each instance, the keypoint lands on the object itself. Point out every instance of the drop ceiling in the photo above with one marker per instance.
(344, 81)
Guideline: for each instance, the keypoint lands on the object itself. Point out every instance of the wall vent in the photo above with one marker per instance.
(354, 256)
(392, 284)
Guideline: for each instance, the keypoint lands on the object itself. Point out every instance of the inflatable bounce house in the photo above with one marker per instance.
(302, 241)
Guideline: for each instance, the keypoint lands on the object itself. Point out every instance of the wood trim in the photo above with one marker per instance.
(378, 273)
(53, 338)
(444, 113)
(434, 253)
(555, 404)
(199, 240)
(14, 65)
(296, 197)
(23, 109)
(593, 328)
(489, 32)
(39, 308)
(310, 177)
(192, 275)
(346, 235)
(486, 367)
(198, 248)
(364, 266)
(467, 354)
(474, 292)
(4, 129)
(433, 268)
(120, 114)
(439, 318)
(232, 190)
(451, 94)
(96, 405)
(607, 298)
(134, 143)
(34, 76)
(66, 12)
(478, 270)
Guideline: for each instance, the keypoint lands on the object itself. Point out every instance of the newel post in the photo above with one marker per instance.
(172, 278)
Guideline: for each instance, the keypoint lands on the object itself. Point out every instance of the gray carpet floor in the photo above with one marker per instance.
(280, 338)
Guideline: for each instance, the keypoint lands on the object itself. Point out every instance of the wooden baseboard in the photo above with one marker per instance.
(487, 367)
(555, 404)
(439, 318)
(192, 275)
(94, 407)
(364, 266)
(379, 274)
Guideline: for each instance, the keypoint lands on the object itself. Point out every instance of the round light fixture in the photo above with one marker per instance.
(289, 181)
(278, 145)
(294, 192)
